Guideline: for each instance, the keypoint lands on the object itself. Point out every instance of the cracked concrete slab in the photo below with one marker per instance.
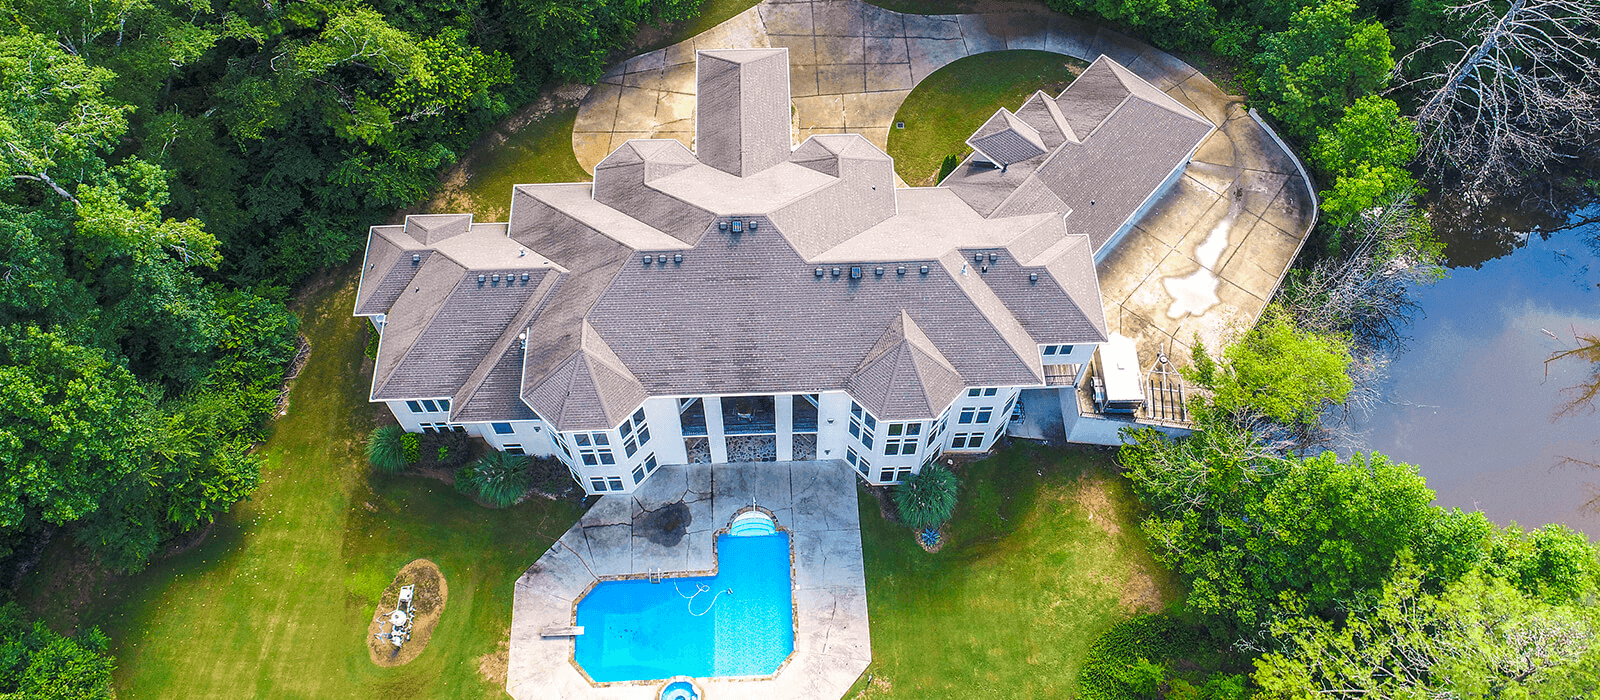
(832, 645)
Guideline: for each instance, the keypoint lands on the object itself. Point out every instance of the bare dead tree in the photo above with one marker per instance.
(1523, 88)
(1580, 398)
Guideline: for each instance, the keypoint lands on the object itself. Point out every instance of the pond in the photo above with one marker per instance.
(1469, 401)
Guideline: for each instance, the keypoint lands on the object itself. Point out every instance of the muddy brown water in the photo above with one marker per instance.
(1469, 401)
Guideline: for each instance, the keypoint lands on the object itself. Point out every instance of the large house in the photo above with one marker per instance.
(752, 300)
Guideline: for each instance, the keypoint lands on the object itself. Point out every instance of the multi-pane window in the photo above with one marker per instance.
(893, 474)
(594, 449)
(615, 482)
(414, 406)
(974, 392)
(635, 433)
(428, 406)
(862, 424)
(598, 483)
(638, 474)
(501, 428)
(444, 404)
(966, 441)
(901, 438)
(514, 448)
(1057, 350)
(967, 414)
(938, 429)
(650, 464)
(1009, 411)
(991, 391)
(855, 460)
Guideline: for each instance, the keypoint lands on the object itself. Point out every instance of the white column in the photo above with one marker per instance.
(783, 411)
(719, 444)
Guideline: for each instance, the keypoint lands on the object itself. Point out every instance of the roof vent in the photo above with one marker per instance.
(977, 257)
(662, 258)
(521, 252)
(676, 257)
(496, 278)
(523, 336)
(855, 272)
(481, 278)
(993, 257)
(524, 278)
(722, 225)
(754, 225)
(836, 272)
(900, 270)
(649, 258)
(416, 259)
(819, 272)
(1033, 277)
(985, 268)
(924, 270)
(878, 272)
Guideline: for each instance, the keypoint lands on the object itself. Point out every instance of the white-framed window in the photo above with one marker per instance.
(901, 438)
(862, 424)
(598, 483)
(861, 464)
(991, 391)
(895, 475)
(979, 414)
(650, 463)
(974, 392)
(1057, 350)
(606, 483)
(967, 441)
(414, 406)
(638, 474)
(502, 428)
(441, 428)
(514, 448)
(635, 432)
(1010, 411)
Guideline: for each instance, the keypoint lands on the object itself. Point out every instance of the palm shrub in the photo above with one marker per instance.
(498, 477)
(928, 498)
(386, 448)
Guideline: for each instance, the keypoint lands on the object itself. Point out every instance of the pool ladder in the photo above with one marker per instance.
(655, 575)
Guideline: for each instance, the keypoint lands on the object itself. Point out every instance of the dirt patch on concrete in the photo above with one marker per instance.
(666, 525)
(427, 605)
(493, 665)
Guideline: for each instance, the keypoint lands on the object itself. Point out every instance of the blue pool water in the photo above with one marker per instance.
(638, 631)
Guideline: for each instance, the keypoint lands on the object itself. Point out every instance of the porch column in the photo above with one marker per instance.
(714, 436)
(783, 415)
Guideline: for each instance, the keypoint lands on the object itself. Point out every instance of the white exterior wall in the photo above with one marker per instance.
(532, 435)
(412, 422)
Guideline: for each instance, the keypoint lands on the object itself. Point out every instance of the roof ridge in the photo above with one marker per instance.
(437, 302)
(519, 323)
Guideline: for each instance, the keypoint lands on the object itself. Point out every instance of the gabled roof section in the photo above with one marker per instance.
(742, 109)
(389, 268)
(534, 206)
(430, 229)
(1064, 302)
(861, 196)
(1005, 139)
(625, 183)
(591, 390)
(904, 376)
(1042, 113)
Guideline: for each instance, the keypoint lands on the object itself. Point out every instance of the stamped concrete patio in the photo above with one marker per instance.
(1206, 258)
(622, 537)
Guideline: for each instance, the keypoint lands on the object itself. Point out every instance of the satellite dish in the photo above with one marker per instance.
(397, 618)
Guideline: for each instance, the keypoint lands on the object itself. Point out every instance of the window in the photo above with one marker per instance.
(891, 474)
(582, 439)
(598, 483)
(650, 464)
(616, 483)
(429, 406)
(938, 429)
(902, 439)
(1009, 411)
(444, 404)
(638, 416)
(862, 424)
(864, 466)
(984, 414)
(967, 414)
(629, 446)
(513, 448)
(431, 427)
(974, 392)
(850, 455)
(967, 441)
(991, 391)
(597, 455)
(414, 406)
(1049, 350)
(638, 474)
(502, 428)
(634, 432)
(886, 475)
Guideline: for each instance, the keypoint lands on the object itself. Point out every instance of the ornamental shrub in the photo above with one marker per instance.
(498, 477)
(385, 448)
(928, 498)
(411, 444)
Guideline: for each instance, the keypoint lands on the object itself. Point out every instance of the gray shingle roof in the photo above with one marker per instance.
(904, 376)
(747, 312)
(1005, 139)
(742, 109)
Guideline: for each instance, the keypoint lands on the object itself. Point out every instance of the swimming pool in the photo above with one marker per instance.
(737, 623)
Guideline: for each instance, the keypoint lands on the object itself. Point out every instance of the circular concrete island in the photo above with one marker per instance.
(406, 614)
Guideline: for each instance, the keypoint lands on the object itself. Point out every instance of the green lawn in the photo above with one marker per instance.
(947, 106)
(540, 151)
(1044, 554)
(276, 602)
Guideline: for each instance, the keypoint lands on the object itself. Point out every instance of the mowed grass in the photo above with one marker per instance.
(541, 151)
(275, 603)
(947, 106)
(1044, 553)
